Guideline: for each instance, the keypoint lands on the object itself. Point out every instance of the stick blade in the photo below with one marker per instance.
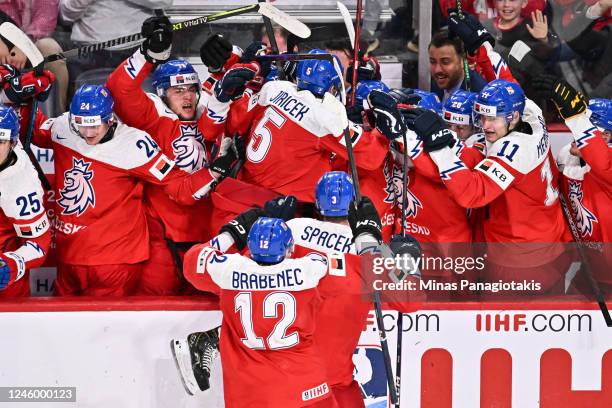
(348, 21)
(13, 34)
(289, 23)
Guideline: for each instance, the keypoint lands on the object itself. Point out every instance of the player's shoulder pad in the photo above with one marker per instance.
(128, 149)
(21, 194)
(521, 151)
(318, 117)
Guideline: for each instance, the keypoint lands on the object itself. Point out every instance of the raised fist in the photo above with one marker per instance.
(7, 72)
(469, 29)
(367, 70)
(240, 226)
(157, 45)
(215, 52)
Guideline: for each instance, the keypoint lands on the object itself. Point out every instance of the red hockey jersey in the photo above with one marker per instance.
(24, 227)
(99, 215)
(290, 137)
(341, 318)
(518, 181)
(269, 318)
(588, 192)
(180, 140)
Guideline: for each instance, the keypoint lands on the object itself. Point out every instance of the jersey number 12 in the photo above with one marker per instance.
(278, 338)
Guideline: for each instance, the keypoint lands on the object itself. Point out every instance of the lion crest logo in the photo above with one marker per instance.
(394, 189)
(77, 194)
(189, 150)
(584, 217)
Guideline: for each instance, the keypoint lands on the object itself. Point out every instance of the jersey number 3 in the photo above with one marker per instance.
(278, 339)
(261, 140)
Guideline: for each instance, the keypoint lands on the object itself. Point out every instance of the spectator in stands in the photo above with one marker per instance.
(102, 20)
(38, 19)
(510, 26)
(446, 67)
(584, 29)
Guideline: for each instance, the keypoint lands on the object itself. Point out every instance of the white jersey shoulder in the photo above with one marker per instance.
(302, 107)
(522, 151)
(570, 165)
(322, 236)
(21, 194)
(237, 272)
(128, 149)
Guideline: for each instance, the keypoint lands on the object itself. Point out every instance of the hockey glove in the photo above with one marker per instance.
(406, 246)
(469, 29)
(430, 128)
(7, 72)
(290, 68)
(28, 85)
(405, 96)
(234, 151)
(568, 101)
(388, 118)
(240, 226)
(215, 51)
(254, 50)
(354, 113)
(157, 45)
(233, 83)
(281, 207)
(368, 70)
(363, 218)
(5, 272)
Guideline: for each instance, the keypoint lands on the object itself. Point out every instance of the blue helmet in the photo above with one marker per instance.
(334, 194)
(9, 124)
(601, 113)
(91, 105)
(499, 98)
(365, 87)
(318, 76)
(269, 240)
(458, 107)
(429, 100)
(174, 73)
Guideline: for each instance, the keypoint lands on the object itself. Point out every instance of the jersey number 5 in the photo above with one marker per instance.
(262, 136)
(278, 339)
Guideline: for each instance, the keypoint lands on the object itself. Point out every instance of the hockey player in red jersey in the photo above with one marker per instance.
(268, 277)
(101, 165)
(517, 180)
(170, 116)
(586, 172)
(292, 129)
(24, 227)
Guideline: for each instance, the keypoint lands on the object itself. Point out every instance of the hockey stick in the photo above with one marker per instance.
(20, 40)
(348, 22)
(466, 67)
(356, 50)
(273, 44)
(585, 262)
(400, 315)
(283, 19)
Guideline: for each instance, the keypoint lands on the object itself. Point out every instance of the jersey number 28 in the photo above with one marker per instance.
(278, 338)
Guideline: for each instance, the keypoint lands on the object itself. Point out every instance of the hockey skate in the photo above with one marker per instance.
(194, 358)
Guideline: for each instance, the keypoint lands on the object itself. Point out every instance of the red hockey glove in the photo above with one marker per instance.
(29, 85)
